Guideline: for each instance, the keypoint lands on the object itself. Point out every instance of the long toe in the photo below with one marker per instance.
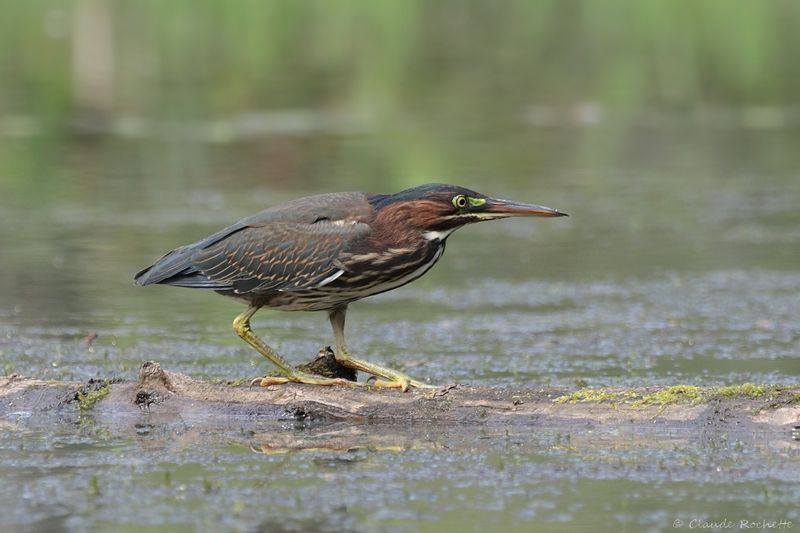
(389, 384)
(266, 381)
(400, 382)
(311, 379)
(420, 385)
(303, 377)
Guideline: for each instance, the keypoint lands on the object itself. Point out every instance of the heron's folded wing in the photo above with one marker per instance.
(278, 256)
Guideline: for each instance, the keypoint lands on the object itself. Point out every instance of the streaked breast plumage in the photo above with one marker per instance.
(359, 276)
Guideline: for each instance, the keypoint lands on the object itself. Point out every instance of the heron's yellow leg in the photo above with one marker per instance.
(392, 379)
(241, 324)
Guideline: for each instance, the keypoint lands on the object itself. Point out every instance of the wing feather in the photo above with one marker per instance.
(286, 246)
(279, 256)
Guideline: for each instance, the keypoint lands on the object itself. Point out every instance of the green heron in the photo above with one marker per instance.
(323, 252)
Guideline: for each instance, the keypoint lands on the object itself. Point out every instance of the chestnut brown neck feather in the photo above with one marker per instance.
(416, 216)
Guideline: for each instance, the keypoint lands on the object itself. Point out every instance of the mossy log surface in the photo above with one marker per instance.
(746, 407)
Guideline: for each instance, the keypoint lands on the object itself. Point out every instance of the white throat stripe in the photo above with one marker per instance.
(437, 235)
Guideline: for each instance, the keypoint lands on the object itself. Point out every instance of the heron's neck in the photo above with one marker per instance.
(399, 225)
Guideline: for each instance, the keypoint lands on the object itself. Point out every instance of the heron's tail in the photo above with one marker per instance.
(177, 268)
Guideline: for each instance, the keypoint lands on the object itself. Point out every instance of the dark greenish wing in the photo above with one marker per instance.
(283, 227)
(280, 256)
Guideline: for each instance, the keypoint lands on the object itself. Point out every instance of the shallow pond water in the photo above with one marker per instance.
(684, 273)
(129, 474)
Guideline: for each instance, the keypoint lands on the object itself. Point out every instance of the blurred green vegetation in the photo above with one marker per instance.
(387, 59)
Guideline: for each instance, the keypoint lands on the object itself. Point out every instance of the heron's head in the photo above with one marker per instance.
(439, 209)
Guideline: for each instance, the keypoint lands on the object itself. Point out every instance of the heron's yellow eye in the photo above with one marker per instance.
(460, 201)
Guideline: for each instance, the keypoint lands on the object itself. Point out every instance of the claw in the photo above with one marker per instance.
(266, 381)
(403, 383)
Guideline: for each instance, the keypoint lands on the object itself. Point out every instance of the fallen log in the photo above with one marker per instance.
(747, 407)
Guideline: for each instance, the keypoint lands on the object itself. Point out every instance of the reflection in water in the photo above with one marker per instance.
(343, 440)
(190, 472)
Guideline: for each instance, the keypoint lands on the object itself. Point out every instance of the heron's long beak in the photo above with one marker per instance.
(496, 208)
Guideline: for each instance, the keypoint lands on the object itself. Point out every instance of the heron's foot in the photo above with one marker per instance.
(384, 378)
(303, 377)
(403, 384)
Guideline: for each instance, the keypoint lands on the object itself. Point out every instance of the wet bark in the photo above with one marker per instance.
(159, 392)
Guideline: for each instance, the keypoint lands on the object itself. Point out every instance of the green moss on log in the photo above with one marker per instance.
(681, 394)
(87, 399)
